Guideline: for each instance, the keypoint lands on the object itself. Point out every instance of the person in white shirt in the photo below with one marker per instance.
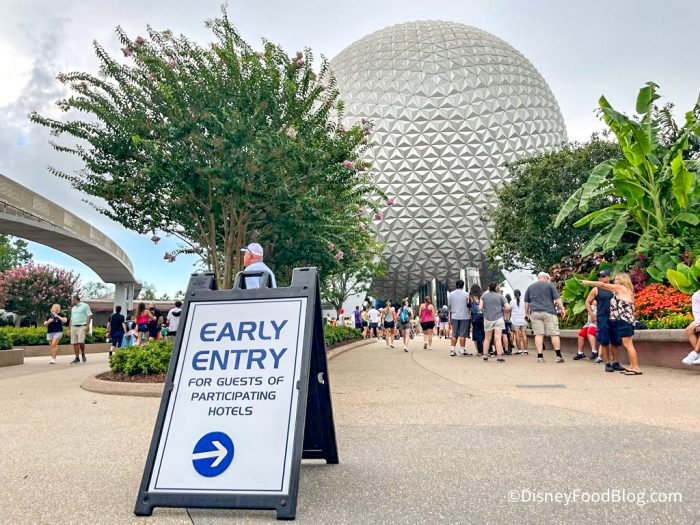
(373, 315)
(519, 322)
(253, 262)
(693, 332)
(174, 318)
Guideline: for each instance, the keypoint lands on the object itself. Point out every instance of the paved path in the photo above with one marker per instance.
(423, 438)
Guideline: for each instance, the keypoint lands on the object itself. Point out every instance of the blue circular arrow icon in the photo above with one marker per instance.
(212, 454)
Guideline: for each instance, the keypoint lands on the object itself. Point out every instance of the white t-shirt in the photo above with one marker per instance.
(174, 319)
(695, 300)
(517, 313)
(373, 315)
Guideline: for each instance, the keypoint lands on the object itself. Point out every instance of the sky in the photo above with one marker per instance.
(582, 49)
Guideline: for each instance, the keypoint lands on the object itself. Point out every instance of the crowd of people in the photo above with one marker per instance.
(498, 324)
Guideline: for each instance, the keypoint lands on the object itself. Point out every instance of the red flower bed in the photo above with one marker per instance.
(656, 300)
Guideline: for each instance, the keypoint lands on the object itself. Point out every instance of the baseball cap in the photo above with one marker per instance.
(254, 249)
(604, 273)
(543, 274)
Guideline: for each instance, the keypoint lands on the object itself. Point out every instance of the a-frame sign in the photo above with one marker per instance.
(246, 398)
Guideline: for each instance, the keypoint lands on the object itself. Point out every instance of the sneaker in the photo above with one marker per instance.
(469, 354)
(617, 367)
(579, 356)
(540, 359)
(696, 362)
(501, 359)
(405, 349)
(425, 346)
(392, 345)
(486, 357)
(609, 368)
(453, 353)
(52, 362)
(462, 353)
(525, 352)
(430, 348)
(598, 360)
(519, 352)
(76, 360)
(690, 358)
(560, 359)
(594, 357)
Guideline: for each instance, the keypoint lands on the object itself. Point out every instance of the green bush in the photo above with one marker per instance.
(151, 358)
(30, 336)
(5, 341)
(337, 334)
(671, 321)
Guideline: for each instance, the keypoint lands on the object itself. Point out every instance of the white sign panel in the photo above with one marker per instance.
(230, 422)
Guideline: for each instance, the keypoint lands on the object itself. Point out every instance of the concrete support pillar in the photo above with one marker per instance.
(124, 297)
(473, 277)
(433, 290)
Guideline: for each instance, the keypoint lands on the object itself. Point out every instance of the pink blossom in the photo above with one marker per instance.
(128, 51)
(378, 216)
(339, 256)
(348, 164)
(155, 239)
(300, 63)
(390, 201)
(140, 40)
(331, 246)
(291, 133)
(299, 55)
(169, 257)
(151, 77)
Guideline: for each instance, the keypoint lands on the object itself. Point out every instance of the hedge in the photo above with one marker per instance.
(29, 336)
(150, 358)
(5, 341)
(338, 334)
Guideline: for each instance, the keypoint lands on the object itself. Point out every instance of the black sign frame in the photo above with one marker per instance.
(314, 436)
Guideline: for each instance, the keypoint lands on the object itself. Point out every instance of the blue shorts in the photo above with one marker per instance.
(603, 330)
(117, 339)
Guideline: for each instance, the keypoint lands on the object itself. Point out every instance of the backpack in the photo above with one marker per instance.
(477, 315)
(403, 316)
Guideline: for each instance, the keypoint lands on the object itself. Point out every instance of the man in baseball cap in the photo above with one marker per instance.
(607, 352)
(253, 262)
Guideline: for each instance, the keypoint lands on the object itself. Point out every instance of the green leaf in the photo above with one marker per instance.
(616, 233)
(598, 175)
(682, 181)
(596, 214)
(689, 218)
(680, 281)
(569, 206)
(646, 97)
(592, 245)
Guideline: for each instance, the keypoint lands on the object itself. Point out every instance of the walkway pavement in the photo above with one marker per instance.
(424, 438)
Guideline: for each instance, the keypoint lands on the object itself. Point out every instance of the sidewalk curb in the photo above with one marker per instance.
(117, 388)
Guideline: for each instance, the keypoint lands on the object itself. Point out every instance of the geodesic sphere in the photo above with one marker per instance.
(451, 104)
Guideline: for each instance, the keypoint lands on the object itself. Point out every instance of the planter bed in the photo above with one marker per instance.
(12, 357)
(43, 350)
(663, 348)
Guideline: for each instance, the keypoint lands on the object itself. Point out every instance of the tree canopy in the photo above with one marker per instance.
(524, 232)
(220, 146)
(13, 252)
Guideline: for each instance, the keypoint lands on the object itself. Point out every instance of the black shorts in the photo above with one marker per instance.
(428, 325)
(620, 329)
(364, 323)
(117, 339)
(389, 324)
(153, 331)
(603, 330)
(172, 333)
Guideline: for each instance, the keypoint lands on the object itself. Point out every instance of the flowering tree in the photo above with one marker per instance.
(221, 146)
(30, 290)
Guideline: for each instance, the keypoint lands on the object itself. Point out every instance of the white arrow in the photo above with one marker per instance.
(219, 454)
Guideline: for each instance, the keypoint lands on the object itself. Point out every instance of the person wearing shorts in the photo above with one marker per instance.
(426, 316)
(598, 307)
(80, 319)
(444, 322)
(519, 322)
(373, 316)
(493, 304)
(588, 332)
(116, 328)
(404, 317)
(388, 314)
(54, 330)
(541, 303)
(692, 332)
(458, 317)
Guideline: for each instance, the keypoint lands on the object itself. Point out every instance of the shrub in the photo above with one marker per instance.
(657, 301)
(30, 336)
(671, 321)
(337, 334)
(5, 341)
(151, 358)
